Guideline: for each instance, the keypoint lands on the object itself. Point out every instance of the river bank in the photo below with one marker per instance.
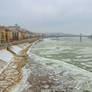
(41, 74)
(15, 58)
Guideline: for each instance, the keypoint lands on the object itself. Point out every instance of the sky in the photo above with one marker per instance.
(68, 16)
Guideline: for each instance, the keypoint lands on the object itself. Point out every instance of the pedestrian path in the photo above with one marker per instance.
(12, 74)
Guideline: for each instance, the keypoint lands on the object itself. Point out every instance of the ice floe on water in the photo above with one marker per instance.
(47, 75)
(69, 71)
(47, 71)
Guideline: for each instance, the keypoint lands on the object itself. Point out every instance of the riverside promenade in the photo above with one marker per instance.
(5, 45)
(12, 73)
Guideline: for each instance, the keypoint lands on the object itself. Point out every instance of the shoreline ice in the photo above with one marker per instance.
(46, 74)
(65, 76)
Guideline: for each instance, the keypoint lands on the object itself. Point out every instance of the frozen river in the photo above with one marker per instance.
(69, 50)
(69, 59)
(58, 65)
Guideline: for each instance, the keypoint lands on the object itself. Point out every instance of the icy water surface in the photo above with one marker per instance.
(58, 65)
(65, 65)
(69, 50)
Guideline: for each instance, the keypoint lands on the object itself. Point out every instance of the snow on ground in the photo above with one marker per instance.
(2, 64)
(5, 55)
(23, 84)
(24, 45)
(16, 49)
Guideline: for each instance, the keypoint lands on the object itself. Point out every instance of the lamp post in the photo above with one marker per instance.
(80, 37)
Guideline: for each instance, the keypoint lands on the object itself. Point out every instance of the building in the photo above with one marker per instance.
(15, 33)
(5, 35)
(19, 33)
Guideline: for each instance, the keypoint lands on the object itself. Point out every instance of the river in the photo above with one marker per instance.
(69, 50)
(58, 65)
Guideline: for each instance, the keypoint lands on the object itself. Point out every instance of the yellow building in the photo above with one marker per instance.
(2, 35)
(5, 35)
(13, 33)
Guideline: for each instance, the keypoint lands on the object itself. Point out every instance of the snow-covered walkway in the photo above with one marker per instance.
(12, 71)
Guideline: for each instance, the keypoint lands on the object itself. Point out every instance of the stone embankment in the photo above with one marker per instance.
(12, 74)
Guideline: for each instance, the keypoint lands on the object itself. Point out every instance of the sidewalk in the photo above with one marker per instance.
(12, 73)
(5, 45)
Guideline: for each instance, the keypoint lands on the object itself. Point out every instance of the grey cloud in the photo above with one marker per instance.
(48, 15)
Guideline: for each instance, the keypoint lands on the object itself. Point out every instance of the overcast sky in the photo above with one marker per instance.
(69, 16)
